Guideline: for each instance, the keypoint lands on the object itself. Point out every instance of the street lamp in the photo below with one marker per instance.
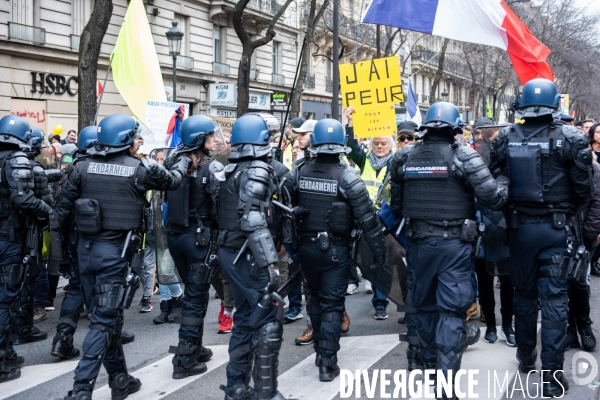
(174, 36)
(445, 95)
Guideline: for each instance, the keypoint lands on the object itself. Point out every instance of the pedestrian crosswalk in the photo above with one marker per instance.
(300, 381)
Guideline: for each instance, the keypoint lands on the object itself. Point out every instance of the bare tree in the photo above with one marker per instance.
(440, 70)
(89, 51)
(248, 47)
(310, 24)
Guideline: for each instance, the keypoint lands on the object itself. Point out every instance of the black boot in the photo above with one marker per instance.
(62, 344)
(328, 369)
(12, 359)
(572, 341)
(28, 334)
(165, 309)
(473, 334)
(205, 354)
(413, 354)
(554, 384)
(595, 269)
(11, 375)
(526, 361)
(588, 340)
(176, 306)
(122, 385)
(127, 337)
(185, 362)
(237, 392)
(77, 394)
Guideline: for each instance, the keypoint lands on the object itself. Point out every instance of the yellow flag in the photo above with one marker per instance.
(134, 62)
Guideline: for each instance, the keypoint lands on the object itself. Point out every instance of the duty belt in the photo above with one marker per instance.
(420, 228)
(534, 219)
(308, 240)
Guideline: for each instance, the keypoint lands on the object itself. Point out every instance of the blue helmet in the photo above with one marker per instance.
(539, 97)
(14, 130)
(195, 130)
(254, 128)
(328, 136)
(87, 138)
(117, 130)
(442, 115)
(36, 138)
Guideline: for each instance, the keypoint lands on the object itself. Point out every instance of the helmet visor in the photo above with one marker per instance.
(216, 143)
(47, 157)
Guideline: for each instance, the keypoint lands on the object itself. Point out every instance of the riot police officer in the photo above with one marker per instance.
(248, 221)
(191, 226)
(329, 195)
(433, 188)
(19, 209)
(43, 176)
(549, 166)
(106, 194)
(72, 305)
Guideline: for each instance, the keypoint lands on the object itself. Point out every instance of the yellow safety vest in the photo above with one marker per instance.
(288, 156)
(372, 181)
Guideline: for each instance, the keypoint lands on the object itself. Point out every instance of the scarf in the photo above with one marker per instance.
(378, 162)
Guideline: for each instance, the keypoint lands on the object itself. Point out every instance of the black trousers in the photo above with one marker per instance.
(485, 285)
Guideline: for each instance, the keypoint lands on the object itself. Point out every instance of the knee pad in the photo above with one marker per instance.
(269, 338)
(110, 295)
(199, 273)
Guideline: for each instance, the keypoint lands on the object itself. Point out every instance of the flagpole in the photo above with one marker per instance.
(335, 96)
(103, 89)
(358, 28)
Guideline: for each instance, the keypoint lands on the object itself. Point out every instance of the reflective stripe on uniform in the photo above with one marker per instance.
(372, 181)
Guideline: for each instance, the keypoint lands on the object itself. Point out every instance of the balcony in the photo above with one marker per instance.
(278, 79)
(75, 42)
(254, 73)
(269, 7)
(185, 62)
(26, 33)
(424, 98)
(328, 84)
(221, 69)
(452, 63)
(309, 81)
(347, 27)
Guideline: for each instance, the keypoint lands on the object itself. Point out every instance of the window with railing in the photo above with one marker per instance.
(221, 69)
(26, 33)
(254, 73)
(425, 98)
(278, 79)
(185, 62)
(309, 81)
(75, 42)
(328, 84)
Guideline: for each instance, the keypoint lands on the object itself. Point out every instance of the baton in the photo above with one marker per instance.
(242, 250)
(283, 207)
(400, 226)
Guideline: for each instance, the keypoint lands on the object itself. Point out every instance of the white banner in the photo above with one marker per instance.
(158, 115)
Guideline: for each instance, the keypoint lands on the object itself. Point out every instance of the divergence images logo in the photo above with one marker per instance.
(584, 362)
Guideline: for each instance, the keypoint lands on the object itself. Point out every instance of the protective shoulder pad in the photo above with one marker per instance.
(574, 136)
(215, 167)
(350, 178)
(260, 171)
(19, 160)
(465, 153)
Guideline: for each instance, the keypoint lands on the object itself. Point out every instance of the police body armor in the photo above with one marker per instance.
(9, 216)
(535, 172)
(191, 200)
(319, 192)
(432, 191)
(110, 199)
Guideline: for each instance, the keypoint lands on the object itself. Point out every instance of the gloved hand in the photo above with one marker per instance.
(379, 263)
(503, 183)
(273, 284)
(298, 212)
(66, 267)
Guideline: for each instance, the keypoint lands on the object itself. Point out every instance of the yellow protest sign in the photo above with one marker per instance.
(372, 87)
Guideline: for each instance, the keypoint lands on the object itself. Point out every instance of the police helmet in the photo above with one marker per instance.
(254, 128)
(442, 115)
(117, 130)
(195, 130)
(36, 138)
(539, 97)
(14, 130)
(328, 136)
(88, 137)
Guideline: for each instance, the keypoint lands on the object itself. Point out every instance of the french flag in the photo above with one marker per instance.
(485, 22)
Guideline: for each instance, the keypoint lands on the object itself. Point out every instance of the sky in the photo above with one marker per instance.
(591, 4)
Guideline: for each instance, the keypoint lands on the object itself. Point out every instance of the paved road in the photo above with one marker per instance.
(370, 345)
